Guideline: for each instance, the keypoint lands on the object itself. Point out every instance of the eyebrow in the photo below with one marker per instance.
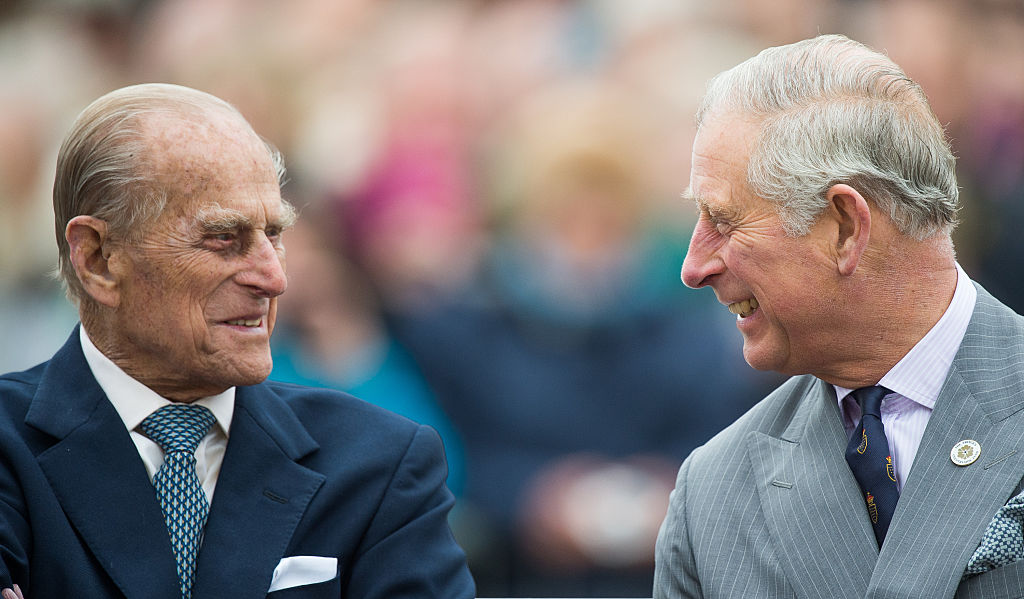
(217, 219)
(689, 196)
(287, 217)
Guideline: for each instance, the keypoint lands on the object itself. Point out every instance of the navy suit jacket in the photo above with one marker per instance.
(307, 472)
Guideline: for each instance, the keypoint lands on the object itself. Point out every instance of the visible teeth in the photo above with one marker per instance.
(246, 323)
(745, 308)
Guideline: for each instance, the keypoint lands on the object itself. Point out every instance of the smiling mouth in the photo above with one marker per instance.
(745, 308)
(255, 323)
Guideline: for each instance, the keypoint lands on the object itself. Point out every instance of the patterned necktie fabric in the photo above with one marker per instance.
(1003, 542)
(871, 461)
(177, 429)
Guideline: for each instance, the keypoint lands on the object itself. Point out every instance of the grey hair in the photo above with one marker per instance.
(834, 111)
(101, 166)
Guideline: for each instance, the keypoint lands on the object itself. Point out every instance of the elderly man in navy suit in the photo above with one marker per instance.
(149, 458)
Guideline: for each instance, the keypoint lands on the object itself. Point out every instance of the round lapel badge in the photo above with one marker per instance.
(965, 452)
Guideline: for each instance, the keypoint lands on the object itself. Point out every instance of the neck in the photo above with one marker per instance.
(104, 336)
(890, 305)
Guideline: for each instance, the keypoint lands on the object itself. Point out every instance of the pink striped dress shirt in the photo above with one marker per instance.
(915, 380)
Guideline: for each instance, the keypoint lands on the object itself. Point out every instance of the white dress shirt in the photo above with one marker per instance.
(135, 401)
(915, 381)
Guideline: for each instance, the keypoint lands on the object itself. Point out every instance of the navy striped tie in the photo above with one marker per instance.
(871, 461)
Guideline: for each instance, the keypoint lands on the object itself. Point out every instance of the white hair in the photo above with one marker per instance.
(834, 111)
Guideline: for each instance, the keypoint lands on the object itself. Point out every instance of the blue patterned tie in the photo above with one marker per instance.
(177, 429)
(871, 461)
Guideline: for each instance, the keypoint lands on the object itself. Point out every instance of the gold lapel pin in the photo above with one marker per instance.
(965, 452)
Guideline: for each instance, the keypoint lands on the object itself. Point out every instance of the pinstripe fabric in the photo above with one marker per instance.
(767, 507)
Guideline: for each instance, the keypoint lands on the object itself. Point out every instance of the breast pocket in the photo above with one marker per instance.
(320, 590)
(1006, 582)
(306, 576)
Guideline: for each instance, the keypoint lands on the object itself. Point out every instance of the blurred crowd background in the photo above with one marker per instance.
(491, 228)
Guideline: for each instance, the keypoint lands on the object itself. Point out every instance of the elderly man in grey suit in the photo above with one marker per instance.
(890, 464)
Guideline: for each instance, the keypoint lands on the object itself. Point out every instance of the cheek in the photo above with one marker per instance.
(179, 301)
(272, 315)
(798, 302)
(755, 268)
(173, 271)
(196, 280)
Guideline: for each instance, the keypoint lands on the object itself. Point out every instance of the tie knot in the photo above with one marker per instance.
(178, 427)
(870, 399)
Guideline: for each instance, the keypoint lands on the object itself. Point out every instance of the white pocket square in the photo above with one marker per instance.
(301, 570)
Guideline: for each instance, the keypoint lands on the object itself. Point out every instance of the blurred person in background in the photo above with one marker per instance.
(32, 307)
(411, 221)
(827, 195)
(331, 333)
(570, 364)
(991, 135)
(38, 48)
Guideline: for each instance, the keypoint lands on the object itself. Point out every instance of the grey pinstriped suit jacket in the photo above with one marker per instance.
(769, 508)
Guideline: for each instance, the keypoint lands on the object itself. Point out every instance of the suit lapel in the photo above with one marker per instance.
(99, 480)
(944, 509)
(806, 504)
(261, 496)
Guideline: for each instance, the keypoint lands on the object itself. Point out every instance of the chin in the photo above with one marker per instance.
(257, 377)
(764, 359)
(249, 373)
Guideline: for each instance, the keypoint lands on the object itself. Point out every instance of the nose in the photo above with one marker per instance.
(702, 260)
(265, 272)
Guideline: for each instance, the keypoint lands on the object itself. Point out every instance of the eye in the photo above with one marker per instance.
(220, 240)
(720, 224)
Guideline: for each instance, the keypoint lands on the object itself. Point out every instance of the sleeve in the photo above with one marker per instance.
(409, 550)
(675, 571)
(13, 529)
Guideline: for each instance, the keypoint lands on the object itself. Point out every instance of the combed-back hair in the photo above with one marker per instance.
(104, 169)
(834, 111)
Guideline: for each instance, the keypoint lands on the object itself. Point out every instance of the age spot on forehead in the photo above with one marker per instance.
(206, 154)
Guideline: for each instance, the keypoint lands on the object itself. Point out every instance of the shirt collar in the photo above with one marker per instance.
(920, 374)
(135, 401)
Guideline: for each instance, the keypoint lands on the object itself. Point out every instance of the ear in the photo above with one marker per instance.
(853, 217)
(90, 255)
